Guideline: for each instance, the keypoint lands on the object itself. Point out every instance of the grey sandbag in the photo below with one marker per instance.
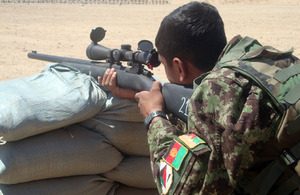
(122, 124)
(119, 109)
(75, 185)
(127, 190)
(68, 151)
(128, 137)
(55, 98)
(133, 171)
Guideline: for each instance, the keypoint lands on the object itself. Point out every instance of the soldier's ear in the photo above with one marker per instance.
(180, 68)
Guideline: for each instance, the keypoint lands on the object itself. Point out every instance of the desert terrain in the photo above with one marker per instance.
(63, 29)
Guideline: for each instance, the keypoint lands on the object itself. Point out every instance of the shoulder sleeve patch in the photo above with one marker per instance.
(175, 155)
(191, 140)
(166, 176)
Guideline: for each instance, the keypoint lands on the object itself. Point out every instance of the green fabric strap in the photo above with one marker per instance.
(277, 168)
(293, 126)
(274, 171)
(265, 179)
(284, 74)
(289, 186)
(295, 150)
(293, 95)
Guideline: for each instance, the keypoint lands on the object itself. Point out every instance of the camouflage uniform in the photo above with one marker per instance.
(232, 117)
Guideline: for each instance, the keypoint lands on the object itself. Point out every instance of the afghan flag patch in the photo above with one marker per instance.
(191, 140)
(166, 176)
(175, 155)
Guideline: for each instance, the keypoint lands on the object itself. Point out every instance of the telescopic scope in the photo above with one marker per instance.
(148, 55)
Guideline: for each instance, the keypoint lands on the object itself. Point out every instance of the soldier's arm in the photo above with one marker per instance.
(160, 135)
(235, 119)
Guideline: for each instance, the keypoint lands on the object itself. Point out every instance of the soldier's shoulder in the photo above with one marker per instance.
(223, 77)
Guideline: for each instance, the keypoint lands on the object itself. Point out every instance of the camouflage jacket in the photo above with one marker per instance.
(229, 120)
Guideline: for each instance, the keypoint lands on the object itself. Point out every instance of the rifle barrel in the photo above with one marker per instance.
(51, 58)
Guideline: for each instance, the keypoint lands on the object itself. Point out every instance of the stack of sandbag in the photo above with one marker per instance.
(62, 134)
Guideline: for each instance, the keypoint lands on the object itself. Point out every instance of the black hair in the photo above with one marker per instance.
(194, 31)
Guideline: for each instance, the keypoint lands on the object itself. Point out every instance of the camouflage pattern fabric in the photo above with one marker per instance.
(234, 117)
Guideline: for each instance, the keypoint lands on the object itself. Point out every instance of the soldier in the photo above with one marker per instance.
(229, 118)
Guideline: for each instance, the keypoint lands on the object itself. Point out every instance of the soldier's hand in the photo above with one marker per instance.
(150, 101)
(109, 81)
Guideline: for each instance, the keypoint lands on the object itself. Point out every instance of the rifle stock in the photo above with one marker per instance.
(176, 96)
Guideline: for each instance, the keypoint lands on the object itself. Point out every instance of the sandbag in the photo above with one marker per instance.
(127, 190)
(75, 185)
(122, 124)
(128, 137)
(68, 151)
(120, 109)
(55, 98)
(133, 171)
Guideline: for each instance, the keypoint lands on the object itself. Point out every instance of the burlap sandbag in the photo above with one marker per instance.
(69, 151)
(57, 97)
(133, 171)
(122, 124)
(75, 185)
(128, 137)
(127, 190)
(119, 109)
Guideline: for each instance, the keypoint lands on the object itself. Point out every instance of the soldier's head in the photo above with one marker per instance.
(193, 34)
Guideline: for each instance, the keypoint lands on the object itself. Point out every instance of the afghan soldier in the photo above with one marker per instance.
(230, 117)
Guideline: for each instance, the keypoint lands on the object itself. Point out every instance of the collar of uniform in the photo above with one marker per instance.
(198, 80)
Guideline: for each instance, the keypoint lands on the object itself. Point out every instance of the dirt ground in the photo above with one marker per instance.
(63, 29)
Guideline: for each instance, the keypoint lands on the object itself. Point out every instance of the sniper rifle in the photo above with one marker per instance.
(134, 76)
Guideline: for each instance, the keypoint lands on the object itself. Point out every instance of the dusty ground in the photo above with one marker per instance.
(63, 29)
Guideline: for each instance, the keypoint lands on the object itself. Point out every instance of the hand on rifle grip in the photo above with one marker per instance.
(109, 81)
(152, 100)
